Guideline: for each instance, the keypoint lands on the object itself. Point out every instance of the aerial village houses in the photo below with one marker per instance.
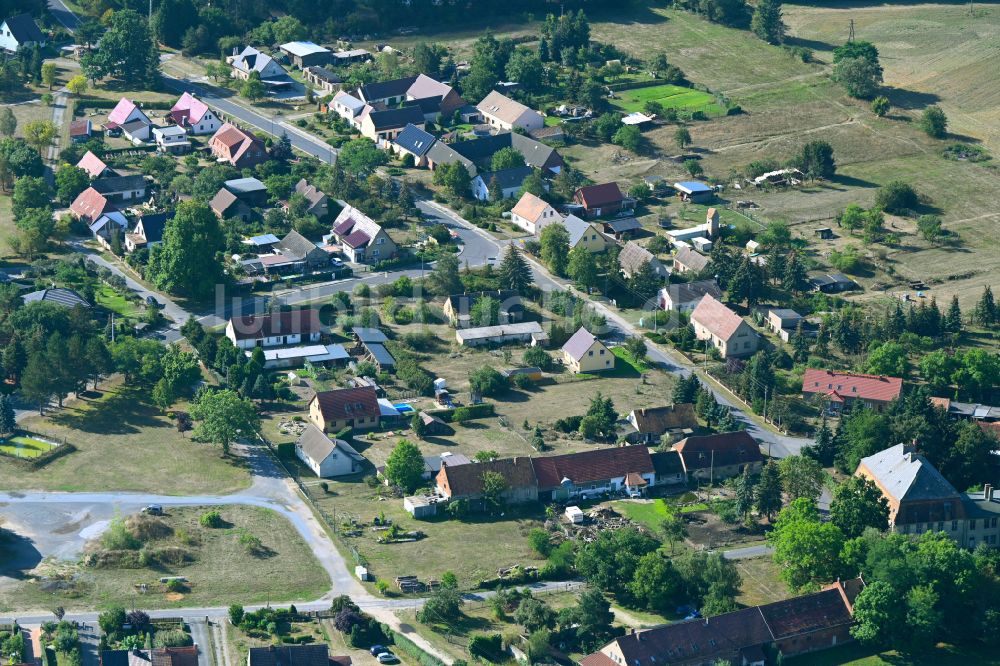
(305, 254)
(591, 473)
(465, 482)
(322, 79)
(633, 257)
(653, 423)
(783, 322)
(723, 329)
(228, 206)
(842, 389)
(476, 154)
(326, 457)
(20, 32)
(270, 330)
(796, 626)
(528, 332)
(194, 115)
(685, 296)
(415, 142)
(148, 231)
(503, 184)
(504, 113)
(251, 60)
(361, 238)
(383, 126)
(533, 214)
(587, 235)
(127, 115)
(122, 189)
(94, 166)
(171, 139)
(598, 200)
(921, 499)
(413, 89)
(318, 202)
(689, 261)
(238, 147)
(90, 205)
(347, 106)
(80, 130)
(358, 408)
(719, 456)
(583, 352)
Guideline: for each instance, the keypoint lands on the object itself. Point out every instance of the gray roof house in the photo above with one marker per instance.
(688, 260)
(327, 457)
(508, 182)
(633, 256)
(414, 141)
(57, 295)
(296, 245)
(18, 32)
(685, 296)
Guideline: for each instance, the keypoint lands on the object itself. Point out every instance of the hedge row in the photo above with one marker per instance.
(101, 103)
(480, 411)
(44, 459)
(404, 644)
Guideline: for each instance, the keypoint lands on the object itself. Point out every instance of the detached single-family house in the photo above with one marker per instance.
(476, 154)
(719, 456)
(533, 214)
(583, 352)
(597, 200)
(122, 189)
(297, 247)
(832, 283)
(327, 457)
(20, 32)
(632, 258)
(503, 184)
(465, 482)
(361, 238)
(227, 205)
(587, 235)
(306, 54)
(238, 147)
(347, 106)
(437, 99)
(194, 115)
(843, 389)
(127, 113)
(275, 329)
(171, 139)
(108, 227)
(90, 205)
(66, 298)
(387, 124)
(148, 231)
(251, 60)
(95, 166)
(726, 330)
(318, 202)
(415, 142)
(80, 130)
(593, 473)
(504, 113)
(652, 423)
(458, 307)
(685, 296)
(687, 260)
(357, 408)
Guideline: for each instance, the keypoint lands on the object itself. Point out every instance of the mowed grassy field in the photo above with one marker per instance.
(670, 96)
(858, 655)
(124, 444)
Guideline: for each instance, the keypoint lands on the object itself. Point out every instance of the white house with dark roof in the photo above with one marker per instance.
(20, 32)
(506, 183)
(685, 296)
(326, 457)
(502, 112)
(583, 352)
(413, 141)
(274, 329)
(252, 60)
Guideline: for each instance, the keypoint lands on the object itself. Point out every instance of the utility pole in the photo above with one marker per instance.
(850, 36)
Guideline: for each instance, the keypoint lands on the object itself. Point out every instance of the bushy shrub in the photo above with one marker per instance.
(211, 519)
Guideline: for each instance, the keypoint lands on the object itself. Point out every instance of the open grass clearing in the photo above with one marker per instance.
(473, 549)
(860, 655)
(22, 446)
(761, 584)
(670, 96)
(109, 299)
(124, 443)
(220, 574)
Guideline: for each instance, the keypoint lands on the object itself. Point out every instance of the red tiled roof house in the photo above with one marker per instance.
(592, 473)
(597, 200)
(723, 328)
(843, 389)
(358, 408)
(236, 146)
(719, 456)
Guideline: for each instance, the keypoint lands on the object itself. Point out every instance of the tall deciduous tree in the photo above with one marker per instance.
(555, 248)
(857, 505)
(766, 22)
(128, 52)
(767, 494)
(186, 263)
(405, 466)
(224, 417)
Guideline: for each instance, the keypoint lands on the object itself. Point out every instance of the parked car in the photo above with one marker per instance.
(337, 263)
(376, 650)
(387, 658)
(153, 510)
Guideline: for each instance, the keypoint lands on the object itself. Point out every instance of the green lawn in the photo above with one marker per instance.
(858, 655)
(25, 447)
(123, 443)
(670, 96)
(650, 514)
(623, 356)
(109, 299)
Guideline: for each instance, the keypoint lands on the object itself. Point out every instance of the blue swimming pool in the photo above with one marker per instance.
(403, 408)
